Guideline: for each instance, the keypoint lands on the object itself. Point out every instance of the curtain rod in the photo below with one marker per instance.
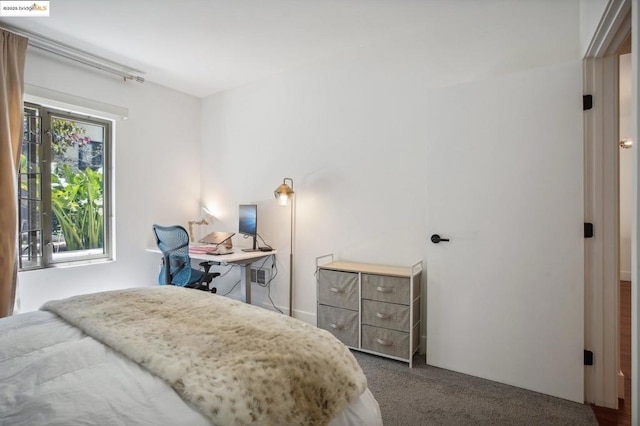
(77, 55)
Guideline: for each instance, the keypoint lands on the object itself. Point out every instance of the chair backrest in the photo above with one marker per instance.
(173, 242)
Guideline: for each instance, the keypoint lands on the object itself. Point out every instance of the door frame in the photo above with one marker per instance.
(635, 272)
(601, 134)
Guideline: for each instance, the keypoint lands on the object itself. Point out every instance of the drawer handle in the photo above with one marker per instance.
(385, 289)
(336, 290)
(337, 326)
(383, 316)
(383, 342)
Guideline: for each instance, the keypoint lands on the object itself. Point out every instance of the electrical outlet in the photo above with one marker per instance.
(260, 276)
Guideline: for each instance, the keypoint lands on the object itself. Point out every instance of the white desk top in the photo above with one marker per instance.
(238, 256)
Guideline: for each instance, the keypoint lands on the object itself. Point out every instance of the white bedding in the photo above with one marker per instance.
(53, 374)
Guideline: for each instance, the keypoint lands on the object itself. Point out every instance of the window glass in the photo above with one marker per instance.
(66, 218)
(30, 191)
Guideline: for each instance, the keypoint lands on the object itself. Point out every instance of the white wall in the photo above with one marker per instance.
(626, 168)
(591, 12)
(351, 132)
(157, 178)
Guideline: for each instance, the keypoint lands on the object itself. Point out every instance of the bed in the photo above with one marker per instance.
(174, 356)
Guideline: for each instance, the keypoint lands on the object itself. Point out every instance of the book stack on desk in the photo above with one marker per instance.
(208, 249)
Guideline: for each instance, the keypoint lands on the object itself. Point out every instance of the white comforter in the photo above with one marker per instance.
(53, 374)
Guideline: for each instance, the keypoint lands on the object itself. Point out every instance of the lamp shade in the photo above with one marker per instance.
(205, 215)
(284, 192)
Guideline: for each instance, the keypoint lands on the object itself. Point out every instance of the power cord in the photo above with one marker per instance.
(263, 241)
(231, 289)
(266, 285)
(231, 267)
(228, 270)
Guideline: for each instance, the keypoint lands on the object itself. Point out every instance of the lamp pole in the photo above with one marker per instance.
(285, 194)
(293, 219)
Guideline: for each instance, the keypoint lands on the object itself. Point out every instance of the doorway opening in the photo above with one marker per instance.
(622, 415)
(625, 181)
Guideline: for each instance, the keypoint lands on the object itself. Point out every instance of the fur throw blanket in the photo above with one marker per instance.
(238, 364)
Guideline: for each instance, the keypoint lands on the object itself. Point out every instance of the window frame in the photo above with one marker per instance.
(46, 252)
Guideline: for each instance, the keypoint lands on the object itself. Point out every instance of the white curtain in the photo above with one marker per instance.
(12, 57)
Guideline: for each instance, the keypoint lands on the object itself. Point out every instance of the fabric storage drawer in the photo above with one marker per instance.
(386, 288)
(342, 323)
(390, 342)
(336, 288)
(385, 315)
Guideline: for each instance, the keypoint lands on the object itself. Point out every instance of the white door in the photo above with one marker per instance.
(505, 296)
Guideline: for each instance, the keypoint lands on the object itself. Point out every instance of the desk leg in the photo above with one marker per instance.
(245, 284)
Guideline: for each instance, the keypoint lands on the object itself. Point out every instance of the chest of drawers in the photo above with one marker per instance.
(369, 307)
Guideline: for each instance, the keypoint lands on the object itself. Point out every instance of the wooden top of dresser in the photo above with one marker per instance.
(368, 268)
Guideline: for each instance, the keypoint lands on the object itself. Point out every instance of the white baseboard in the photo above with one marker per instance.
(307, 317)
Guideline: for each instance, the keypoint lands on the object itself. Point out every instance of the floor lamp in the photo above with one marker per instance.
(284, 193)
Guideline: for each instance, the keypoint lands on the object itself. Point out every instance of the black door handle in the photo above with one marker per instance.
(435, 239)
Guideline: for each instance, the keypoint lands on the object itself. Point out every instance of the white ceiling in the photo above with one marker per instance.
(204, 46)
(201, 47)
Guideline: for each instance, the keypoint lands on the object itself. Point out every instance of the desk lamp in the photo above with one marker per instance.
(284, 194)
(204, 215)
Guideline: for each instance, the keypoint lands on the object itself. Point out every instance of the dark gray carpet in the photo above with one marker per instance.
(426, 395)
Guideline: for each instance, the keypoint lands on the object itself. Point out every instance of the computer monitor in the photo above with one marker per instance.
(248, 223)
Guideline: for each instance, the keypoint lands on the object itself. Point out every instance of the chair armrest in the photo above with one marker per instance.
(207, 265)
(208, 276)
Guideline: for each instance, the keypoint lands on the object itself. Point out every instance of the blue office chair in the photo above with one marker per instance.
(173, 242)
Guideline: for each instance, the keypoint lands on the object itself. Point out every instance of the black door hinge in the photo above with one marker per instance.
(588, 230)
(588, 357)
(587, 102)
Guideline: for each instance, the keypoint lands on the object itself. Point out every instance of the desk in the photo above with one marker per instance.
(238, 257)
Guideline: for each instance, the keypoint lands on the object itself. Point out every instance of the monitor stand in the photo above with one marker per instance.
(255, 245)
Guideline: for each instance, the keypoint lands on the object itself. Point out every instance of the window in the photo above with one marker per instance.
(64, 188)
